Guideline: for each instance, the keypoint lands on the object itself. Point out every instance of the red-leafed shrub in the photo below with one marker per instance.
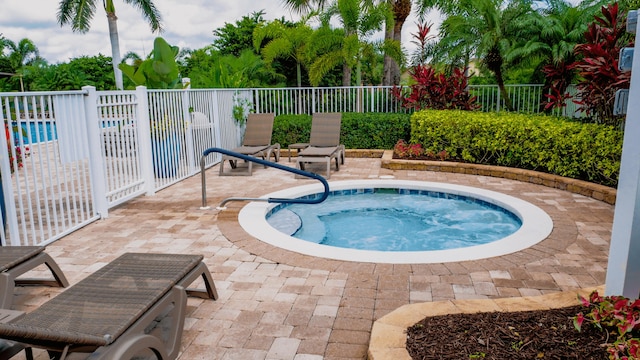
(559, 76)
(434, 90)
(617, 315)
(598, 67)
(404, 150)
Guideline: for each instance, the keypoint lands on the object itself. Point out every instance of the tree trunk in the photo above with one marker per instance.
(346, 74)
(494, 62)
(401, 10)
(397, 36)
(115, 48)
(388, 61)
(503, 90)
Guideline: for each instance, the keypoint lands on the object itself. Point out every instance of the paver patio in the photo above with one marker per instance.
(276, 304)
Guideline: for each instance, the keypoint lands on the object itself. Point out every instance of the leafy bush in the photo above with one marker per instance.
(291, 129)
(617, 315)
(159, 70)
(433, 90)
(599, 65)
(358, 130)
(404, 150)
(374, 130)
(559, 76)
(588, 152)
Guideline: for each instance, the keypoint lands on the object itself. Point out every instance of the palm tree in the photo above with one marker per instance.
(24, 53)
(3, 44)
(562, 28)
(307, 6)
(393, 24)
(131, 57)
(401, 10)
(328, 47)
(79, 14)
(285, 42)
(208, 68)
(348, 45)
(453, 52)
(547, 40)
(488, 30)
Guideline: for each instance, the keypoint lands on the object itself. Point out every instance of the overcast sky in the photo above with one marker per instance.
(187, 24)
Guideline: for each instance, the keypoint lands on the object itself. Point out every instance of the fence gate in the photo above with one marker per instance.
(118, 121)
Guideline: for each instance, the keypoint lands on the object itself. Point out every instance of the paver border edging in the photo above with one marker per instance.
(388, 337)
(595, 191)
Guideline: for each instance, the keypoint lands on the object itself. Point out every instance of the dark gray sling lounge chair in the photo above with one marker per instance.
(17, 260)
(135, 304)
(256, 142)
(324, 142)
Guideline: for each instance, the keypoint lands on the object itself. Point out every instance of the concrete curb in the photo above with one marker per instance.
(389, 339)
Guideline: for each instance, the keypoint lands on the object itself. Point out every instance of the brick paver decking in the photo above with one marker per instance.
(276, 304)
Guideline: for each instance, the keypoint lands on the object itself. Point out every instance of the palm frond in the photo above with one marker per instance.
(277, 48)
(323, 65)
(149, 12)
(78, 13)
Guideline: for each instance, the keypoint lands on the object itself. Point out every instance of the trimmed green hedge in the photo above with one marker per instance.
(588, 152)
(358, 130)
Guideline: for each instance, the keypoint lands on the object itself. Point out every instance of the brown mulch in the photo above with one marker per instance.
(544, 334)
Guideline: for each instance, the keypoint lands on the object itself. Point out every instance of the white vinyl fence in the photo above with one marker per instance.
(331, 99)
(74, 155)
(47, 185)
(524, 98)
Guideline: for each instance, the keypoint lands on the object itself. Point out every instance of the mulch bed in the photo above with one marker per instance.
(543, 334)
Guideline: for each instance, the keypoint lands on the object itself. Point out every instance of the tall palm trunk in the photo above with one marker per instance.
(494, 62)
(401, 10)
(115, 48)
(359, 73)
(78, 13)
(346, 68)
(389, 63)
(503, 90)
(346, 74)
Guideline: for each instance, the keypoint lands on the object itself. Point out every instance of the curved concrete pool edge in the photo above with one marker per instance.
(536, 225)
(388, 337)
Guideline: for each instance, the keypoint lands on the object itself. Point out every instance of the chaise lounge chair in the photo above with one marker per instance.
(134, 305)
(256, 142)
(17, 260)
(324, 142)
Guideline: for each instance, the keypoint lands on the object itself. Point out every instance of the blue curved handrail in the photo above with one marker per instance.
(208, 151)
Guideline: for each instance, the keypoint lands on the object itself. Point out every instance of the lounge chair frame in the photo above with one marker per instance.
(135, 303)
(324, 142)
(256, 143)
(17, 260)
(9, 349)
